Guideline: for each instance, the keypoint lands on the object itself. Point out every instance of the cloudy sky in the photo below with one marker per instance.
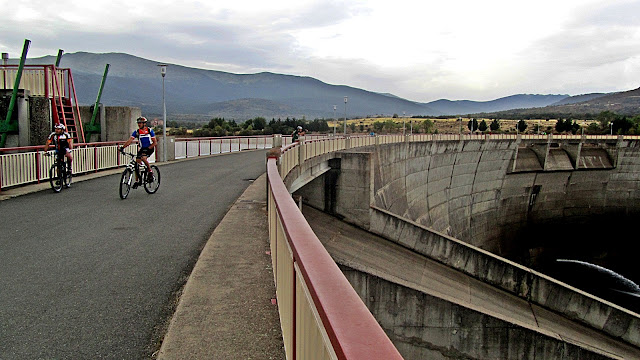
(419, 50)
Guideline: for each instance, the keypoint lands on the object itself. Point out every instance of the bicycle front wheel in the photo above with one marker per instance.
(67, 178)
(125, 183)
(55, 178)
(152, 180)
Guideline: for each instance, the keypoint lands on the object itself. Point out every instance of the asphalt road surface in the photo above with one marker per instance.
(86, 275)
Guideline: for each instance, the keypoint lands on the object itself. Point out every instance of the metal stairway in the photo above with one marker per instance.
(64, 104)
(66, 116)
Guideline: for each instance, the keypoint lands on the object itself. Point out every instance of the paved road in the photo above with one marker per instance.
(86, 275)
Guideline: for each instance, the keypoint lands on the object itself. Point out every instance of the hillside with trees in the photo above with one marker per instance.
(625, 103)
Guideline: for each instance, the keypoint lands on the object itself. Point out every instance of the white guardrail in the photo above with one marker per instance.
(192, 147)
(26, 165)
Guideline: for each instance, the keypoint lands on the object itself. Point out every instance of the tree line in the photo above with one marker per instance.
(606, 122)
(217, 127)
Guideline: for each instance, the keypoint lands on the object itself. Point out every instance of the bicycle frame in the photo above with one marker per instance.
(133, 164)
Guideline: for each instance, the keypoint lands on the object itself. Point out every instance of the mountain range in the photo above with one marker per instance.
(199, 94)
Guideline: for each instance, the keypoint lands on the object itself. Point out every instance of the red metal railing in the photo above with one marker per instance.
(351, 330)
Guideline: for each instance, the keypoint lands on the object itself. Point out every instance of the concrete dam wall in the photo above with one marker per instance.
(471, 204)
(485, 192)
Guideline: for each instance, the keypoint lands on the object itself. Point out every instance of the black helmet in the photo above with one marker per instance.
(141, 119)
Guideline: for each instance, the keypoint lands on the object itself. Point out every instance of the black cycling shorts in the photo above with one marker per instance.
(62, 152)
(144, 152)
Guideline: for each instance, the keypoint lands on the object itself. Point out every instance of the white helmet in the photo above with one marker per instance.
(59, 126)
(299, 127)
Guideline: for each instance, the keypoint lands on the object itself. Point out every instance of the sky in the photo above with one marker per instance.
(418, 50)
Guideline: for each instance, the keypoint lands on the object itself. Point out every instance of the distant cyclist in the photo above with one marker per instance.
(299, 131)
(62, 142)
(146, 144)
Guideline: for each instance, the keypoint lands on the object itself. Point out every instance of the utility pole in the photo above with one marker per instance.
(163, 71)
(345, 116)
(335, 120)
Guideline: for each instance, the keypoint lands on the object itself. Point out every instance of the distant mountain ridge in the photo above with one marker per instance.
(582, 106)
(199, 93)
(520, 101)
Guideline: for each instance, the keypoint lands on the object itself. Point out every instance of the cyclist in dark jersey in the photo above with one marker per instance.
(146, 144)
(62, 142)
(295, 136)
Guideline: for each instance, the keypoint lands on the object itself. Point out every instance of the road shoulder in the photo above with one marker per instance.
(226, 309)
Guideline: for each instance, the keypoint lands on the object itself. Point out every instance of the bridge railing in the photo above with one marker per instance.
(25, 165)
(193, 147)
(321, 315)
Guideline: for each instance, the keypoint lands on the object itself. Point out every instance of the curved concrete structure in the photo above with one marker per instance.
(484, 192)
(465, 203)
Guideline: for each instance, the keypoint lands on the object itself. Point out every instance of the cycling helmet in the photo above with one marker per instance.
(59, 126)
(299, 127)
(141, 119)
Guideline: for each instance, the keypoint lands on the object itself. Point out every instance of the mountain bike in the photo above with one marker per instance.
(59, 176)
(150, 180)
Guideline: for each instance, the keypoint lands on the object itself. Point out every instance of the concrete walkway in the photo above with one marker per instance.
(227, 309)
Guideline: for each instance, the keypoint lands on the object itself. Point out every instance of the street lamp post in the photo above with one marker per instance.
(335, 120)
(163, 71)
(404, 120)
(411, 126)
(345, 116)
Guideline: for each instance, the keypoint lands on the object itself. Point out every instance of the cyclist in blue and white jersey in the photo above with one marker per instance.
(146, 143)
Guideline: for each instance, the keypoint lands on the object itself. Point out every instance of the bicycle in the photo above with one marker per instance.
(150, 181)
(59, 176)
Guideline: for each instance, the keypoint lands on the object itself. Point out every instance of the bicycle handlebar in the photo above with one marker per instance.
(121, 150)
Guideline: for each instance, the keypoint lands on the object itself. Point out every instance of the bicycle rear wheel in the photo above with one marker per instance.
(55, 178)
(152, 180)
(125, 183)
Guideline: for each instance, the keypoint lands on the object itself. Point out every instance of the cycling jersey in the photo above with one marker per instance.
(144, 136)
(60, 142)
